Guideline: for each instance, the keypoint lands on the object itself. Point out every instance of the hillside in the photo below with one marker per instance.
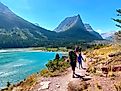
(72, 28)
(90, 29)
(17, 32)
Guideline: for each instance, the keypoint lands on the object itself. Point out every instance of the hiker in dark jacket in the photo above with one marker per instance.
(73, 58)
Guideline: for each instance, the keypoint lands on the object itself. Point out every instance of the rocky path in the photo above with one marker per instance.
(58, 83)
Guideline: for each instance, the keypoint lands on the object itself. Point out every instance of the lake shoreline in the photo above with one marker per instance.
(15, 64)
(24, 81)
(27, 50)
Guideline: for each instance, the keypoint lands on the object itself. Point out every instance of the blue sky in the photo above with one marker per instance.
(49, 13)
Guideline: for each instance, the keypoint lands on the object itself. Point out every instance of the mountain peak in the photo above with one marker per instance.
(69, 22)
(78, 15)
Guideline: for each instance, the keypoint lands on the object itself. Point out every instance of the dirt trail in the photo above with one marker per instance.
(59, 83)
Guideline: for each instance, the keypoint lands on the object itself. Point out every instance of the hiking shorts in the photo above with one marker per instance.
(73, 65)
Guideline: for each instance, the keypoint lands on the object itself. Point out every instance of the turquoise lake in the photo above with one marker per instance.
(16, 66)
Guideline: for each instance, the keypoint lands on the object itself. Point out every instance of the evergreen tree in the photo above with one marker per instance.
(118, 20)
(117, 35)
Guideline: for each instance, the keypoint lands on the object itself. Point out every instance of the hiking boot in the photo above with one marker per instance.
(73, 76)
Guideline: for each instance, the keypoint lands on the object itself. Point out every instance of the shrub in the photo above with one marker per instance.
(57, 65)
(54, 67)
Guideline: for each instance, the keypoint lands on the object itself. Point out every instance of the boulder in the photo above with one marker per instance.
(77, 85)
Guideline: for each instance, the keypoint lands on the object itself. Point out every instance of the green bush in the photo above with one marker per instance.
(54, 67)
(57, 65)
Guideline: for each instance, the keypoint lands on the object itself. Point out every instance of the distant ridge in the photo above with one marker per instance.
(108, 35)
(17, 32)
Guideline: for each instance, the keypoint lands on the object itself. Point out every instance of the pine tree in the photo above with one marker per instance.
(118, 20)
(117, 35)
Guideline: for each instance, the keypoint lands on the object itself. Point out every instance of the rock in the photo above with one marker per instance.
(44, 85)
(116, 68)
(58, 86)
(105, 70)
(87, 78)
(77, 85)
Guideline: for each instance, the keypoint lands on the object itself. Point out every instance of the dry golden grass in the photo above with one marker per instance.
(100, 58)
(118, 86)
(105, 51)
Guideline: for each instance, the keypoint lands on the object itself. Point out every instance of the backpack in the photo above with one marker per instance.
(72, 56)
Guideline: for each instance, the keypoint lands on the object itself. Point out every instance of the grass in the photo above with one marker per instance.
(101, 56)
(105, 51)
(118, 86)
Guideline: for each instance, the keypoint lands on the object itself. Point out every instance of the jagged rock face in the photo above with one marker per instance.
(90, 29)
(74, 29)
(68, 23)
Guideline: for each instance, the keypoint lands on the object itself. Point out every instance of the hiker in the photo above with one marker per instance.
(80, 58)
(73, 58)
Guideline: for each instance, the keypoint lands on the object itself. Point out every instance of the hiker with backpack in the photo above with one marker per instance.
(73, 59)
